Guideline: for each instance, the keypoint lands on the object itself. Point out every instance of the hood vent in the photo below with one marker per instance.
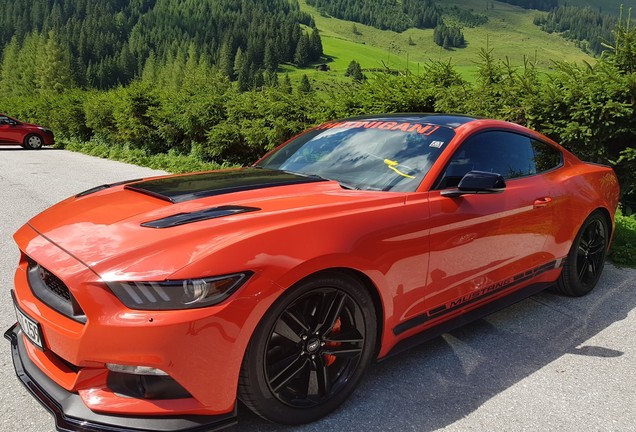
(197, 216)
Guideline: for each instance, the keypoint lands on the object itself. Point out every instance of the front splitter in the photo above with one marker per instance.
(72, 415)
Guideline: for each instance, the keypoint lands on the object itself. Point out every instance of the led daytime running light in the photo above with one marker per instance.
(178, 294)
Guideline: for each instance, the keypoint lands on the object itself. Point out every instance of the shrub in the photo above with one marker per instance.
(172, 161)
(624, 246)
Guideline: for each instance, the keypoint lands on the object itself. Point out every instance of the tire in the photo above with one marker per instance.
(310, 350)
(584, 263)
(33, 142)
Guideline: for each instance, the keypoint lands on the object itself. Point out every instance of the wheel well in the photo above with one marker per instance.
(608, 218)
(373, 291)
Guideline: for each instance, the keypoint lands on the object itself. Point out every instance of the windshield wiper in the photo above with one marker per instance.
(319, 177)
(342, 184)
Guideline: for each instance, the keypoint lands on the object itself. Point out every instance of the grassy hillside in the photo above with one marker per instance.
(509, 31)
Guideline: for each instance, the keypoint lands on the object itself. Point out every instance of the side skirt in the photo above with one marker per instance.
(467, 317)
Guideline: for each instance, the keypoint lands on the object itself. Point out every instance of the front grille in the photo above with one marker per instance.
(53, 292)
(55, 284)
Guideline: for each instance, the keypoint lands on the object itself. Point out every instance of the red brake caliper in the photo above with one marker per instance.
(331, 359)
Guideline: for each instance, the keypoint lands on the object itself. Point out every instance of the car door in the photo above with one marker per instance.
(482, 243)
(9, 132)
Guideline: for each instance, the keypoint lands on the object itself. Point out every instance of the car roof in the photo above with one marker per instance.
(448, 120)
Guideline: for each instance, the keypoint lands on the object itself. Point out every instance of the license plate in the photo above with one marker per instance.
(30, 327)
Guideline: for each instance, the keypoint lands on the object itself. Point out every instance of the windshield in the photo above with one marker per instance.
(368, 155)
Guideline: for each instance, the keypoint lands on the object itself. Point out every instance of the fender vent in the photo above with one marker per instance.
(197, 216)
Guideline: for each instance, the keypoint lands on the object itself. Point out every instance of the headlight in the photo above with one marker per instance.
(179, 294)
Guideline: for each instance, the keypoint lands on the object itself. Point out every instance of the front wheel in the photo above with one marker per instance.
(310, 350)
(33, 142)
(585, 261)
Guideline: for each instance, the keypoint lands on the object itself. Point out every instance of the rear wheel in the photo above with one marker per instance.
(585, 261)
(33, 142)
(310, 351)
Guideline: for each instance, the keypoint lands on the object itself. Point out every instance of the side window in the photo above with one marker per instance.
(509, 154)
(546, 157)
(4, 120)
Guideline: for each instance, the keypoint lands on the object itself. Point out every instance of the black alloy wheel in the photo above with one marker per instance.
(591, 252)
(311, 350)
(585, 262)
(314, 347)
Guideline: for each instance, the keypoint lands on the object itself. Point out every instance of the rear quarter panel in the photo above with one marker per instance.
(583, 188)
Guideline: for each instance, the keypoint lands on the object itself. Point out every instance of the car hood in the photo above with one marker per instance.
(150, 229)
(30, 125)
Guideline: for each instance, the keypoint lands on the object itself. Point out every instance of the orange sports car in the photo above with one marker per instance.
(155, 304)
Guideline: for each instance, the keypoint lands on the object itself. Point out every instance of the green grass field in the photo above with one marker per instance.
(509, 32)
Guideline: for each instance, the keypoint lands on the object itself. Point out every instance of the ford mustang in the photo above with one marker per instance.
(156, 304)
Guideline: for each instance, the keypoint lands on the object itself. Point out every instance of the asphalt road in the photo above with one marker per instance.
(549, 363)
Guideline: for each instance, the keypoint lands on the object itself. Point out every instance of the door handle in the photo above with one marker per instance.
(542, 202)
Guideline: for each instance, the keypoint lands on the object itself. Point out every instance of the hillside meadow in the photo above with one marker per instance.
(509, 31)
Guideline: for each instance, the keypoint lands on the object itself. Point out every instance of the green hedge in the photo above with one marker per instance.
(624, 247)
(171, 161)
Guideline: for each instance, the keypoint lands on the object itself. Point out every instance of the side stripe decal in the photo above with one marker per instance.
(473, 297)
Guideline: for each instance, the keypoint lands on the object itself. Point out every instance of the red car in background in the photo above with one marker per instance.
(29, 136)
(153, 304)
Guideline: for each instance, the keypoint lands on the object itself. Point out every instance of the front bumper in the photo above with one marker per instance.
(72, 415)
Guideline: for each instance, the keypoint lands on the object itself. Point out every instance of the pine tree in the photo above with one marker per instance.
(243, 70)
(54, 67)
(191, 70)
(9, 72)
(270, 60)
(446, 44)
(126, 65)
(316, 45)
(28, 64)
(259, 80)
(271, 78)
(354, 70)
(239, 61)
(302, 55)
(286, 86)
(304, 86)
(226, 58)
(149, 72)
(174, 70)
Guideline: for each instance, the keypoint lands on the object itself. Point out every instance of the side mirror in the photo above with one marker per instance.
(477, 182)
